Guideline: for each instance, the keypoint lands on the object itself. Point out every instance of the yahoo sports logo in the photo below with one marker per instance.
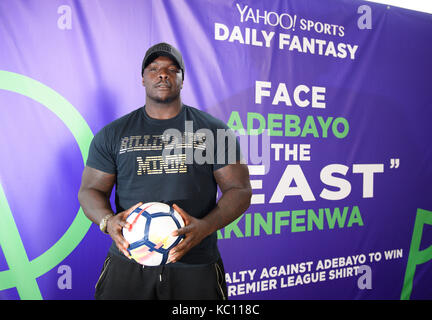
(22, 273)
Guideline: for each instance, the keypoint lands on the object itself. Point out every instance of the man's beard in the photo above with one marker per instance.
(166, 100)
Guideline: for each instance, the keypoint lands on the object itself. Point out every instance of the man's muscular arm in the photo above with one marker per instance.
(233, 181)
(94, 194)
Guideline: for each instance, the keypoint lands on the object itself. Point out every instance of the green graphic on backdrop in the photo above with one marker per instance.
(22, 273)
(416, 256)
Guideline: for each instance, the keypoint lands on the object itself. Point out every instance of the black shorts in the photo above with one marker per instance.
(123, 279)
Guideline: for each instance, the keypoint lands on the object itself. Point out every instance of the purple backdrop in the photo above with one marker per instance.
(346, 82)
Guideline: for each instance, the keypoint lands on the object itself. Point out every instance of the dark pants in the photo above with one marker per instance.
(123, 279)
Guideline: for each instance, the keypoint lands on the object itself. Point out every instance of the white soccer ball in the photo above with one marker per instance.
(150, 236)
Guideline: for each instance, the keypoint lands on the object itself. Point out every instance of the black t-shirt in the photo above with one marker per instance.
(176, 166)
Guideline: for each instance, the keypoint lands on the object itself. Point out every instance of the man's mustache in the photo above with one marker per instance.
(163, 83)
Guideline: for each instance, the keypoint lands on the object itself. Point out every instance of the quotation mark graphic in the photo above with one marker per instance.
(394, 163)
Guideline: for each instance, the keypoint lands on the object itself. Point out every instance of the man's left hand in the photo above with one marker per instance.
(195, 230)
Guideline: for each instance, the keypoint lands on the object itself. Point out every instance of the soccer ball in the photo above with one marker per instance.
(150, 236)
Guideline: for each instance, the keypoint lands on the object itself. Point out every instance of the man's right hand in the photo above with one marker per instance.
(115, 224)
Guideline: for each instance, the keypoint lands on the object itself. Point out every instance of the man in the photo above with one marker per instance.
(129, 153)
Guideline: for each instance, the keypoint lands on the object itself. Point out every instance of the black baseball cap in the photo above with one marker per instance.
(163, 49)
